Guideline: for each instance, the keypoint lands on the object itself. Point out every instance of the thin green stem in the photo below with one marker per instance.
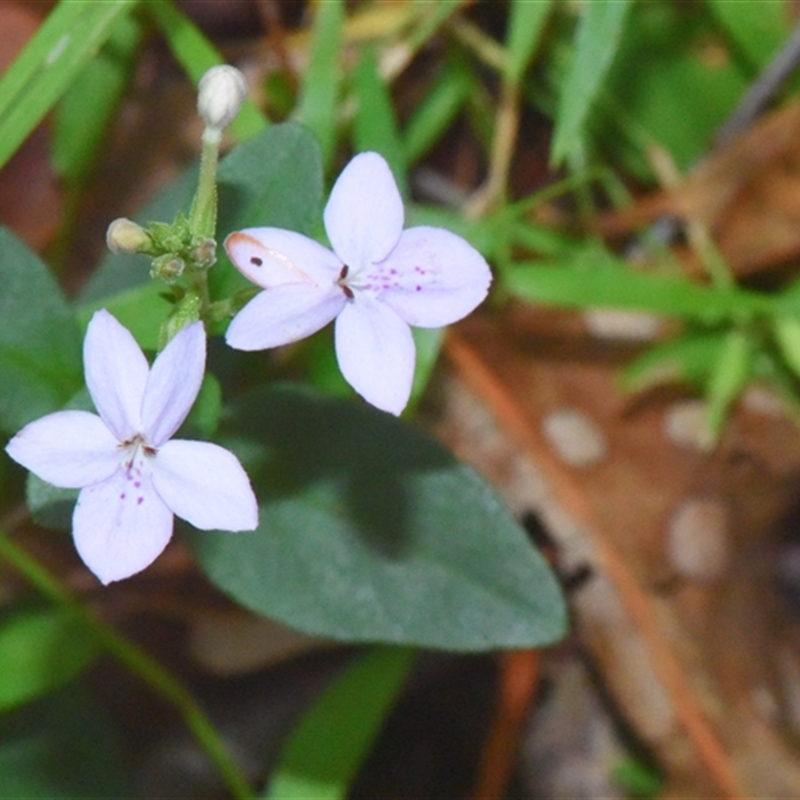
(138, 661)
(203, 216)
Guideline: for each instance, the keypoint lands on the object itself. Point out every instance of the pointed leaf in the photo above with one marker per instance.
(525, 26)
(619, 287)
(376, 533)
(323, 753)
(319, 94)
(81, 127)
(597, 38)
(436, 111)
(730, 374)
(40, 348)
(69, 38)
(787, 335)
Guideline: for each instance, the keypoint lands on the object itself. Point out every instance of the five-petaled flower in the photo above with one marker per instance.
(132, 477)
(378, 280)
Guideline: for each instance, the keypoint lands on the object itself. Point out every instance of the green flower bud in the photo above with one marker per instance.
(167, 268)
(203, 253)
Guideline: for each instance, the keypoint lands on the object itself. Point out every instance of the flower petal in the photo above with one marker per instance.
(364, 215)
(119, 530)
(116, 374)
(173, 384)
(205, 484)
(270, 257)
(376, 353)
(278, 316)
(433, 277)
(70, 449)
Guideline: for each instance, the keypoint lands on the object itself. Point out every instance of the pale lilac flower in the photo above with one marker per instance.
(132, 477)
(378, 280)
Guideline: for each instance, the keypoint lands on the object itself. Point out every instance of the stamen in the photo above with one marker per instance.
(348, 292)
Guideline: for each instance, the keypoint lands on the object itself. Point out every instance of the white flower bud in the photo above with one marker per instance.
(125, 236)
(220, 95)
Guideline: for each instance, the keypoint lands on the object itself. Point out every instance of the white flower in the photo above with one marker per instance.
(378, 280)
(132, 477)
(221, 92)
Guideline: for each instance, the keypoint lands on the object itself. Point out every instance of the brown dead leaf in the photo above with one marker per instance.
(748, 195)
(680, 614)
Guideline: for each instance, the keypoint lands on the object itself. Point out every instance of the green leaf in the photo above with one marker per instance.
(324, 752)
(205, 415)
(526, 23)
(730, 375)
(39, 651)
(59, 749)
(197, 55)
(540, 239)
(80, 126)
(639, 780)
(50, 506)
(662, 77)
(619, 287)
(757, 29)
(272, 179)
(371, 531)
(689, 357)
(375, 126)
(68, 39)
(787, 335)
(597, 38)
(428, 342)
(319, 94)
(40, 347)
(437, 110)
(140, 309)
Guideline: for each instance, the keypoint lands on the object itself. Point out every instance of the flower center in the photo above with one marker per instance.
(135, 456)
(377, 279)
(341, 282)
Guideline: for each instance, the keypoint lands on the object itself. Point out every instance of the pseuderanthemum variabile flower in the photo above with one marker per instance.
(378, 280)
(132, 477)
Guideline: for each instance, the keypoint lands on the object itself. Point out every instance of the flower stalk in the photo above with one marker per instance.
(184, 249)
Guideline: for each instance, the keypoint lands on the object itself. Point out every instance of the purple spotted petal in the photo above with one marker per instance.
(205, 485)
(282, 315)
(270, 257)
(70, 449)
(118, 529)
(116, 374)
(376, 353)
(433, 277)
(364, 215)
(173, 384)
